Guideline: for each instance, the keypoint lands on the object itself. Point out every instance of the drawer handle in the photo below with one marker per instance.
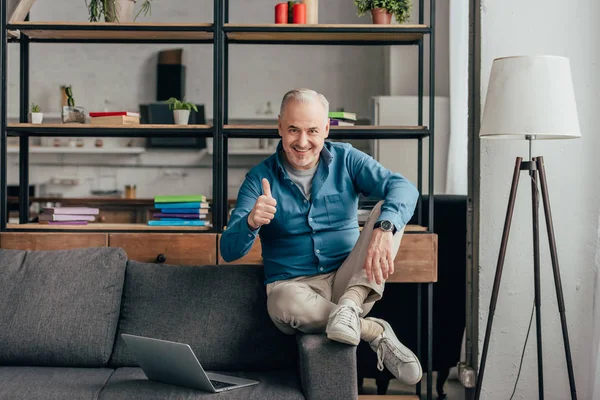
(161, 258)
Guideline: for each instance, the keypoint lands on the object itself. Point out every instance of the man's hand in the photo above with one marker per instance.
(264, 209)
(379, 264)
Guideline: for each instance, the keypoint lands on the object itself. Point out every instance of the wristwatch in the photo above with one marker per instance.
(386, 226)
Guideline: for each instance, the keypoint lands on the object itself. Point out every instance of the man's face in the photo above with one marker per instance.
(303, 128)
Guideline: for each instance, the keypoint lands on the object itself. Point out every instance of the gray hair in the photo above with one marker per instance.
(304, 96)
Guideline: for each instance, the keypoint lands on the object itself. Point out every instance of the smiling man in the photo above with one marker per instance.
(322, 274)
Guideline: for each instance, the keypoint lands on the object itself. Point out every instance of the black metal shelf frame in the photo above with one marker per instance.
(220, 43)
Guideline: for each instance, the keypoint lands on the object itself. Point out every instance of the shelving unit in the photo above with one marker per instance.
(219, 33)
(79, 150)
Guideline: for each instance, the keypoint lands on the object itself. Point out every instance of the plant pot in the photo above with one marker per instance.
(381, 16)
(36, 117)
(181, 117)
(124, 11)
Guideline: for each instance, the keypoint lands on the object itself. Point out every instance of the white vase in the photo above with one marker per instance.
(124, 10)
(181, 117)
(36, 117)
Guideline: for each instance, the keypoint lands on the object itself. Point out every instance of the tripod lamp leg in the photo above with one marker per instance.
(498, 277)
(555, 270)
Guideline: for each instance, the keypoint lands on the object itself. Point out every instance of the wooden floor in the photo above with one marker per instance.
(385, 397)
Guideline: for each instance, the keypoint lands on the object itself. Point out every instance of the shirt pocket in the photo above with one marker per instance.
(338, 209)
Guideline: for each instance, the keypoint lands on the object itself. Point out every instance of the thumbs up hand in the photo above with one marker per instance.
(264, 209)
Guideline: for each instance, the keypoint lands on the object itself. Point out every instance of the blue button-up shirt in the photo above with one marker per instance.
(309, 237)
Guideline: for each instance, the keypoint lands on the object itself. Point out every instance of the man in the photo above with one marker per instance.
(321, 273)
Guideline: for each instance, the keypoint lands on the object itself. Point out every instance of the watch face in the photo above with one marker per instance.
(386, 225)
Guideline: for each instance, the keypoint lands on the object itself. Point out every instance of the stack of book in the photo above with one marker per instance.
(180, 210)
(342, 118)
(115, 118)
(67, 215)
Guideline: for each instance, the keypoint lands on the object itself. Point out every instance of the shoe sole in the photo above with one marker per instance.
(340, 337)
(391, 334)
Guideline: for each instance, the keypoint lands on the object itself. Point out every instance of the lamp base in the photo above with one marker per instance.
(535, 168)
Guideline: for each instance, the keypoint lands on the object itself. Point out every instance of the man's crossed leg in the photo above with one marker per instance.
(336, 304)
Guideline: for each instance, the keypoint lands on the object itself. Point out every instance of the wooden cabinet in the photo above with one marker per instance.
(51, 241)
(254, 256)
(168, 248)
(416, 260)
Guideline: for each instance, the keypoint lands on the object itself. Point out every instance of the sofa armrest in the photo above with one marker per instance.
(327, 368)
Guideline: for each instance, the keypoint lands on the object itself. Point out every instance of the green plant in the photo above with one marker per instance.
(175, 104)
(400, 9)
(69, 93)
(146, 8)
(97, 8)
(35, 108)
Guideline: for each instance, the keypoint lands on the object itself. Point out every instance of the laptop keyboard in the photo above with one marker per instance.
(220, 385)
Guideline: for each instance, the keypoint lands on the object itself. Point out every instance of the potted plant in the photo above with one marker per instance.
(35, 114)
(181, 110)
(383, 10)
(70, 112)
(116, 10)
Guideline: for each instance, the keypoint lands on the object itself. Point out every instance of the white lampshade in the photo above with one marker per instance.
(530, 96)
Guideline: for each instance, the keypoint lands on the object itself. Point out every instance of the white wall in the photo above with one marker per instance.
(514, 27)
(124, 75)
(402, 68)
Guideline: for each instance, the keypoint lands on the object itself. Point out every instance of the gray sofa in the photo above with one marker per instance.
(62, 313)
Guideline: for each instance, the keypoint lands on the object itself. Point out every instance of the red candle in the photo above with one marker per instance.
(300, 13)
(281, 13)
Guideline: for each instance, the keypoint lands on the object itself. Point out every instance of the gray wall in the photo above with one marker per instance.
(515, 27)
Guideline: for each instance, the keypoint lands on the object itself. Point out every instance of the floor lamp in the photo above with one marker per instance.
(531, 98)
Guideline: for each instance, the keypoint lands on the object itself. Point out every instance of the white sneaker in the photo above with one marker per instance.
(344, 324)
(398, 359)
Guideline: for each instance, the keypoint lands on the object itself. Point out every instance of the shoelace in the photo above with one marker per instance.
(347, 318)
(384, 345)
(380, 355)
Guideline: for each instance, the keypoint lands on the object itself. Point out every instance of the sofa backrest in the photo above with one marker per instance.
(220, 311)
(60, 307)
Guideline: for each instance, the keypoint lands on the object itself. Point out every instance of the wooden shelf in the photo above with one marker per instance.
(336, 131)
(103, 227)
(326, 33)
(82, 130)
(80, 150)
(109, 32)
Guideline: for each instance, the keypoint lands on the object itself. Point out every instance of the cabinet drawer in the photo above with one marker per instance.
(168, 248)
(254, 256)
(51, 241)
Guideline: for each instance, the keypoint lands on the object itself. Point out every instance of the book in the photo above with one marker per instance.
(65, 217)
(193, 204)
(178, 215)
(113, 113)
(63, 222)
(190, 222)
(183, 198)
(342, 115)
(116, 120)
(182, 219)
(184, 210)
(340, 122)
(71, 210)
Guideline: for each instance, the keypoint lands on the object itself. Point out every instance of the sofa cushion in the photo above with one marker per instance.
(132, 384)
(220, 311)
(49, 383)
(59, 308)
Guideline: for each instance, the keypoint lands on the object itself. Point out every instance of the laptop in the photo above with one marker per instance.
(176, 364)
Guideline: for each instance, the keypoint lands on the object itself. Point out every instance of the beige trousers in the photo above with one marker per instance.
(304, 303)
